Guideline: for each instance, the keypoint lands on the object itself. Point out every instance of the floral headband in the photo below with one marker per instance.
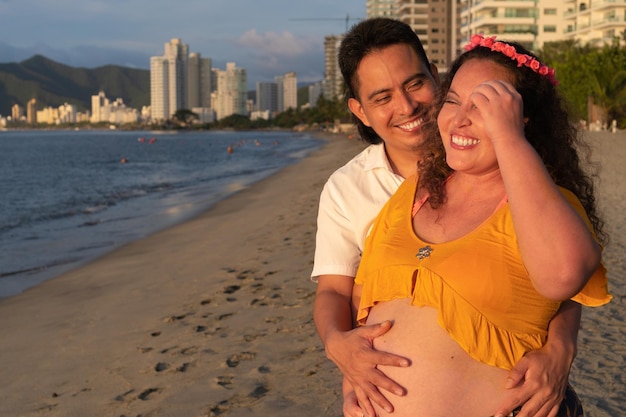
(509, 50)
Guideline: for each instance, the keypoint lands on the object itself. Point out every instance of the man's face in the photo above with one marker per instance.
(395, 90)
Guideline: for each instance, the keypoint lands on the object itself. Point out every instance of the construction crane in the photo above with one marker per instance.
(347, 19)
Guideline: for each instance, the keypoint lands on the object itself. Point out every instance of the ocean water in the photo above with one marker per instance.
(67, 198)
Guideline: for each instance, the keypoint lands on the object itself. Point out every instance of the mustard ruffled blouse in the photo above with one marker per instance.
(478, 283)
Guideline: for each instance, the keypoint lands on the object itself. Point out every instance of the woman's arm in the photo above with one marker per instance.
(557, 247)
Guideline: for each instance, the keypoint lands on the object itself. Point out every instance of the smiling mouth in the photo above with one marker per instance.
(462, 141)
(410, 126)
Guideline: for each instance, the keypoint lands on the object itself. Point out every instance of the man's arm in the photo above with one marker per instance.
(352, 349)
(540, 378)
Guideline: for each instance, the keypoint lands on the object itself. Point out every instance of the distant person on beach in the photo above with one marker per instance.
(471, 257)
(390, 87)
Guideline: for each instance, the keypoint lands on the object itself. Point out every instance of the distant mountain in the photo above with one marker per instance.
(53, 84)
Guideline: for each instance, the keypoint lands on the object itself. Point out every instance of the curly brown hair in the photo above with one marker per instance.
(549, 130)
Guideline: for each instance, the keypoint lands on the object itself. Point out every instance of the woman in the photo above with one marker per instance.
(502, 230)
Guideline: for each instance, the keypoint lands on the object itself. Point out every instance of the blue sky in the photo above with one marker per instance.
(267, 37)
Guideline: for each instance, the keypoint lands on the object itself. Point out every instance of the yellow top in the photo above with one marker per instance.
(478, 283)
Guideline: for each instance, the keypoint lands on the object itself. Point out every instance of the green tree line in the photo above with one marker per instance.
(324, 114)
(585, 72)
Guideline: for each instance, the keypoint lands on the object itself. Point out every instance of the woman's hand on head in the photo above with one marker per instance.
(501, 109)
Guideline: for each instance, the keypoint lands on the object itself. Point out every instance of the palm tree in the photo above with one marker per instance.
(184, 117)
(608, 81)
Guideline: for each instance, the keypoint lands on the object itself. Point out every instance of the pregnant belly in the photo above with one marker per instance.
(443, 380)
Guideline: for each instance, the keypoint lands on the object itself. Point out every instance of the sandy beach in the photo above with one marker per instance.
(213, 317)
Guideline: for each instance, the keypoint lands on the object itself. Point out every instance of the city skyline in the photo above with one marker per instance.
(268, 38)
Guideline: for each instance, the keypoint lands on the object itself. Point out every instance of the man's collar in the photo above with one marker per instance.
(377, 158)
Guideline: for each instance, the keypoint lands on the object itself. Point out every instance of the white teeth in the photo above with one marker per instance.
(460, 141)
(412, 125)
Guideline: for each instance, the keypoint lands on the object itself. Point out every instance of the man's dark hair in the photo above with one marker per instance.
(362, 39)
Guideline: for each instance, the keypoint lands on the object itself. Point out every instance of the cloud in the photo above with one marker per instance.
(269, 54)
(277, 44)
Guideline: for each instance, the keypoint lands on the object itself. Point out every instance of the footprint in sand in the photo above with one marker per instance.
(234, 360)
(183, 367)
(260, 391)
(225, 316)
(225, 381)
(264, 369)
(189, 350)
(231, 289)
(161, 366)
(145, 395)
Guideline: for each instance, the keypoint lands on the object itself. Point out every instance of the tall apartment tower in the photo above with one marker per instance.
(98, 104)
(381, 8)
(231, 95)
(528, 22)
(168, 80)
(199, 81)
(280, 92)
(31, 111)
(332, 86)
(17, 112)
(436, 22)
(315, 91)
(267, 96)
(287, 86)
(595, 21)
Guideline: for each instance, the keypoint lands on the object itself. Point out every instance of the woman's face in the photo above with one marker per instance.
(472, 117)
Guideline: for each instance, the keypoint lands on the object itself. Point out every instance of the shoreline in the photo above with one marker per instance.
(62, 237)
(213, 316)
(209, 316)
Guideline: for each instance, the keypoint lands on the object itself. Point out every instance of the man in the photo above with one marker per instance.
(390, 87)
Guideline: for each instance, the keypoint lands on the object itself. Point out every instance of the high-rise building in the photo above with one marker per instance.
(333, 82)
(231, 95)
(67, 113)
(315, 91)
(280, 92)
(105, 110)
(595, 21)
(267, 97)
(291, 91)
(551, 25)
(381, 8)
(169, 80)
(436, 22)
(31, 111)
(531, 23)
(199, 83)
(159, 91)
(17, 112)
(99, 104)
(287, 91)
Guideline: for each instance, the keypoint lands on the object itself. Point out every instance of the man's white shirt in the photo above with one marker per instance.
(350, 201)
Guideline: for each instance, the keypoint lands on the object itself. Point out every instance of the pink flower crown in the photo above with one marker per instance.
(509, 50)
